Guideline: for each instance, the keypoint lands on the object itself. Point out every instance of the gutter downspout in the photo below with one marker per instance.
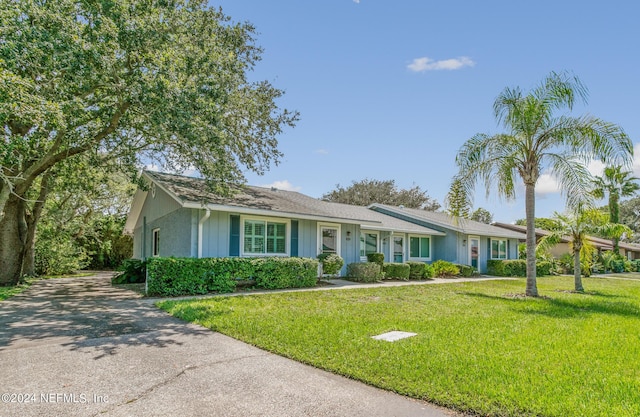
(207, 213)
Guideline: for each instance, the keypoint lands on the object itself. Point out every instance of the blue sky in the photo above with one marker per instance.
(391, 90)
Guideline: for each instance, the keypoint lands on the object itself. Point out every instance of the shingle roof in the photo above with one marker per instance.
(444, 220)
(194, 191)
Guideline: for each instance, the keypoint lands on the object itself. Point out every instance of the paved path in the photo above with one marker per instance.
(78, 347)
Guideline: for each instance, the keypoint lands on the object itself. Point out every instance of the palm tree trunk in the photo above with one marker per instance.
(530, 209)
(577, 270)
(614, 217)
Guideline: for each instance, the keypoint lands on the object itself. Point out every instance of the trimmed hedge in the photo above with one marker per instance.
(364, 272)
(189, 276)
(278, 273)
(418, 270)
(377, 258)
(467, 271)
(516, 268)
(397, 271)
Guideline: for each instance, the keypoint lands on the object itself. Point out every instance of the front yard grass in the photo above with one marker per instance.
(481, 347)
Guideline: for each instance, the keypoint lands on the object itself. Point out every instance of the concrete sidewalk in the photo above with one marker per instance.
(79, 347)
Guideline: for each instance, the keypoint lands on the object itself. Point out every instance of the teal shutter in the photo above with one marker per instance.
(294, 238)
(489, 248)
(508, 249)
(234, 236)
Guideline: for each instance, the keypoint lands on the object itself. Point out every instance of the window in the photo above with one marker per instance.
(155, 243)
(368, 243)
(419, 247)
(265, 237)
(498, 249)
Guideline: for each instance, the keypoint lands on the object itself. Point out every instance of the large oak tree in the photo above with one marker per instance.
(133, 80)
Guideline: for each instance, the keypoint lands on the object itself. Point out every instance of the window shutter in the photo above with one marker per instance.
(234, 236)
(489, 248)
(294, 238)
(508, 249)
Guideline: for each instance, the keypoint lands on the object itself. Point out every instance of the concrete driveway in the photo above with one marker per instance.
(78, 347)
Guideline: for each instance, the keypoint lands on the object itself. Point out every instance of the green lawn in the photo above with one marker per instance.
(481, 346)
(10, 291)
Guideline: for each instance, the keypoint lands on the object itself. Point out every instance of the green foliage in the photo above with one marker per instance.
(331, 263)
(445, 269)
(277, 273)
(516, 267)
(397, 271)
(131, 271)
(429, 272)
(467, 271)
(482, 215)
(377, 258)
(366, 192)
(636, 265)
(364, 272)
(186, 276)
(56, 255)
(420, 270)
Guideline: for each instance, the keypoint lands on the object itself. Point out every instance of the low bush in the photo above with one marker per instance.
(278, 273)
(188, 276)
(397, 271)
(130, 272)
(428, 271)
(467, 271)
(516, 267)
(445, 269)
(364, 272)
(377, 258)
(617, 265)
(331, 263)
(418, 270)
(636, 265)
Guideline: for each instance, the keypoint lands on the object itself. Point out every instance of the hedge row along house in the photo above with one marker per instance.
(177, 216)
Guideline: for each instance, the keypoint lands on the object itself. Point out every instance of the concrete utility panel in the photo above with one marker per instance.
(393, 336)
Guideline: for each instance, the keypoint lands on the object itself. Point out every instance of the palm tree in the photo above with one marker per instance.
(577, 225)
(539, 138)
(617, 184)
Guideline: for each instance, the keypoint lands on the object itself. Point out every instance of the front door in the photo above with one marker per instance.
(398, 249)
(329, 239)
(474, 251)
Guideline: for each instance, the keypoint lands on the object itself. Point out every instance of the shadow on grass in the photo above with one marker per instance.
(580, 304)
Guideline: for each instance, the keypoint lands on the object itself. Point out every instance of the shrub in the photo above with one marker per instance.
(617, 265)
(445, 269)
(364, 272)
(58, 256)
(331, 263)
(131, 271)
(495, 267)
(397, 270)
(467, 271)
(428, 271)
(278, 273)
(417, 270)
(636, 264)
(377, 258)
(543, 268)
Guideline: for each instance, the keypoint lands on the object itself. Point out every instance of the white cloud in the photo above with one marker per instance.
(428, 64)
(547, 184)
(356, 1)
(596, 168)
(321, 151)
(282, 185)
(636, 160)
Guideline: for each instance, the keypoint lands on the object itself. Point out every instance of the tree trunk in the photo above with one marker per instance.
(13, 230)
(577, 270)
(28, 261)
(530, 208)
(614, 217)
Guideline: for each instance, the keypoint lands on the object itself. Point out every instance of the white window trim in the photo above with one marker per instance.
(506, 249)
(421, 259)
(332, 226)
(372, 232)
(155, 249)
(469, 238)
(287, 236)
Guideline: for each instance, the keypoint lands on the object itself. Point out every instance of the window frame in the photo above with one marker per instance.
(155, 242)
(363, 253)
(266, 221)
(420, 258)
(506, 250)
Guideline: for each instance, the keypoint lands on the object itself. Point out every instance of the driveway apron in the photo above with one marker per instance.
(80, 347)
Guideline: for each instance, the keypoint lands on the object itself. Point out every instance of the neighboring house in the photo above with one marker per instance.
(179, 216)
(629, 250)
(462, 241)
